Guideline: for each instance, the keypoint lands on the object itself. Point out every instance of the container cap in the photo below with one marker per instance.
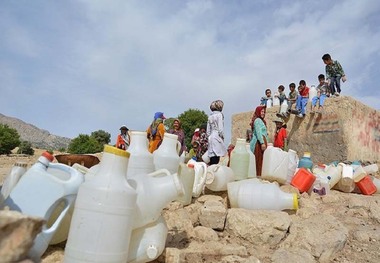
(306, 154)
(48, 156)
(152, 252)
(295, 201)
(115, 151)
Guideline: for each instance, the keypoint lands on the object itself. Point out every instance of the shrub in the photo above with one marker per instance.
(9, 139)
(25, 148)
(84, 144)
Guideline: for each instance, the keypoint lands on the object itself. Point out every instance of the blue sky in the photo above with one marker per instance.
(74, 67)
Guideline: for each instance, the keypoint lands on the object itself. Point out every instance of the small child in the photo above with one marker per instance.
(292, 97)
(321, 95)
(193, 151)
(302, 99)
(281, 94)
(268, 96)
(334, 72)
(280, 136)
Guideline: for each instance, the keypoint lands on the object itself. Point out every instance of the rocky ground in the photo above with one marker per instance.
(339, 227)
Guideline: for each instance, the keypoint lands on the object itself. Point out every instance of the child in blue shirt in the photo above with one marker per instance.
(321, 95)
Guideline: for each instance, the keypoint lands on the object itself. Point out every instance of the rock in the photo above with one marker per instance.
(259, 227)
(294, 255)
(213, 214)
(17, 233)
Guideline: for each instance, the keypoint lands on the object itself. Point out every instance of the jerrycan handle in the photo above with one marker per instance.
(210, 175)
(75, 180)
(200, 178)
(160, 173)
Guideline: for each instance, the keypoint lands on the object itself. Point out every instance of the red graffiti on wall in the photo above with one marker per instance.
(369, 135)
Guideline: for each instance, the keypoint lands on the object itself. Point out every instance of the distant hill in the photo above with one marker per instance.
(39, 138)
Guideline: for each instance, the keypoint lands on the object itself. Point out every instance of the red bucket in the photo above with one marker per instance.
(303, 180)
(366, 186)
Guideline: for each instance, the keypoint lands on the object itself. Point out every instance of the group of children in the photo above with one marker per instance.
(328, 86)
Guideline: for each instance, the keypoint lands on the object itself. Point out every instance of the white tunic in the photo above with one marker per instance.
(215, 135)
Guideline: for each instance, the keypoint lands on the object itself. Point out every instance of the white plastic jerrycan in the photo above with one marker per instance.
(252, 162)
(312, 92)
(103, 216)
(167, 155)
(38, 193)
(154, 191)
(186, 175)
(148, 242)
(18, 169)
(141, 160)
(347, 174)
(335, 173)
(218, 176)
(239, 162)
(293, 164)
(261, 196)
(284, 107)
(275, 165)
(200, 169)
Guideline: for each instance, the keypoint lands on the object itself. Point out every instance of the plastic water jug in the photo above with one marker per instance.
(200, 169)
(293, 164)
(148, 242)
(306, 161)
(38, 193)
(154, 191)
(269, 103)
(376, 182)
(335, 173)
(303, 179)
(344, 187)
(347, 174)
(321, 185)
(167, 155)
(371, 169)
(312, 92)
(218, 176)
(239, 162)
(104, 211)
(186, 175)
(276, 100)
(366, 186)
(284, 107)
(18, 169)
(261, 196)
(252, 162)
(141, 160)
(275, 165)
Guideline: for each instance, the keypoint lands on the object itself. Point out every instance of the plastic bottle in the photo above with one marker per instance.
(293, 164)
(306, 161)
(239, 162)
(260, 196)
(312, 92)
(347, 174)
(269, 103)
(166, 156)
(371, 169)
(148, 242)
(200, 169)
(321, 185)
(154, 191)
(38, 193)
(335, 173)
(218, 176)
(252, 162)
(376, 182)
(276, 100)
(284, 107)
(141, 160)
(359, 173)
(104, 211)
(275, 164)
(303, 179)
(17, 170)
(186, 175)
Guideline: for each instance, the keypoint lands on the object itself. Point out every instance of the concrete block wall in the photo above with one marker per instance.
(347, 130)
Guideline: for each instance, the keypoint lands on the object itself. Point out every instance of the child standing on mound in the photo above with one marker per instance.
(334, 72)
(302, 99)
(321, 95)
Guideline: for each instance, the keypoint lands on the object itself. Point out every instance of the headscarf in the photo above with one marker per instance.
(217, 105)
(158, 118)
(179, 123)
(257, 114)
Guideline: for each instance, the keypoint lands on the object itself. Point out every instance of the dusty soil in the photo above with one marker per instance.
(359, 250)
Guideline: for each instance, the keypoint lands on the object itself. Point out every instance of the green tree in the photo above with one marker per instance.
(84, 144)
(190, 120)
(101, 136)
(9, 139)
(25, 148)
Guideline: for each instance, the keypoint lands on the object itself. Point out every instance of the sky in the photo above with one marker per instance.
(75, 67)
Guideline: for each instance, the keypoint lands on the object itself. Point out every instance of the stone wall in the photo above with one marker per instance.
(346, 130)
